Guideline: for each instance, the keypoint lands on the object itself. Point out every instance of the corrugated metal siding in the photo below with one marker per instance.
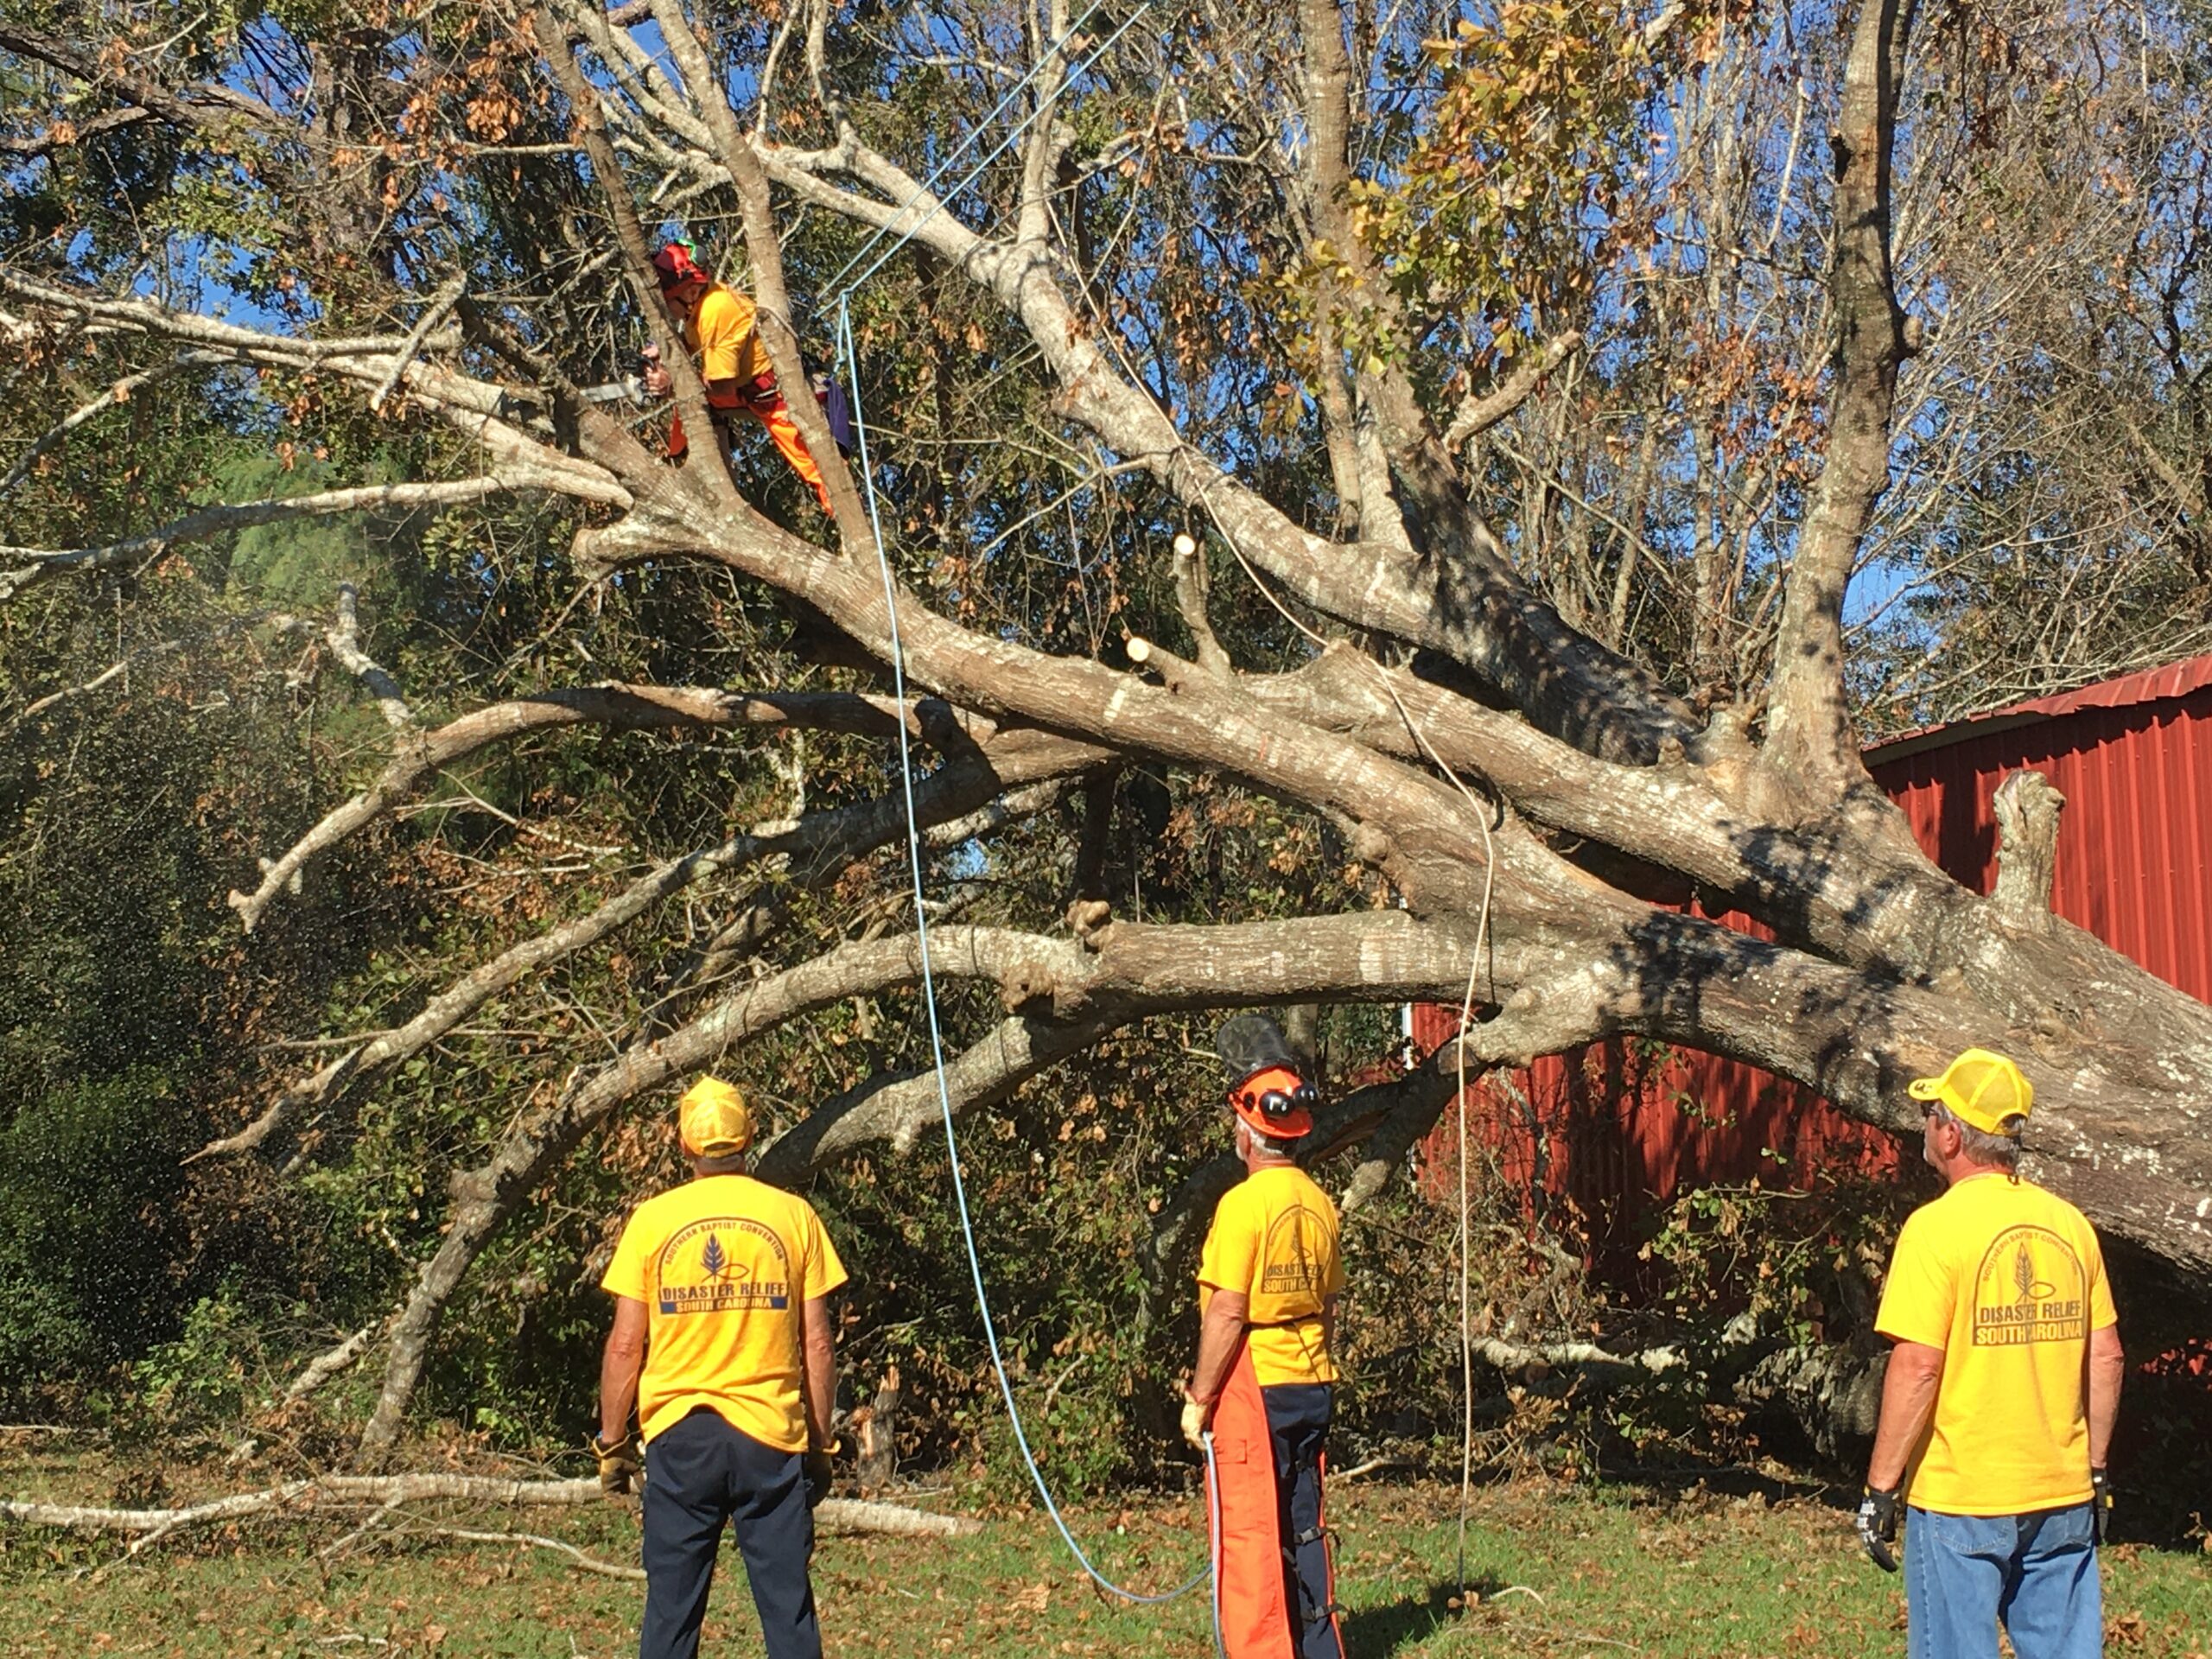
(2170, 682)
(2135, 845)
(1614, 1129)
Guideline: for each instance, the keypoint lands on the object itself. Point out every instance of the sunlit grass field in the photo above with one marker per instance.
(1553, 1572)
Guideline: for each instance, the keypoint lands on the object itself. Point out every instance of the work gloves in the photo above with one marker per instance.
(2100, 1504)
(819, 1473)
(621, 1462)
(1198, 1415)
(1877, 1526)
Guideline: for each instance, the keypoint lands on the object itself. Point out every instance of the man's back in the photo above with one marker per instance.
(723, 331)
(724, 1265)
(2008, 1281)
(1273, 1239)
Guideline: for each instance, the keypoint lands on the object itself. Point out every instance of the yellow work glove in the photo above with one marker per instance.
(620, 1464)
(1198, 1415)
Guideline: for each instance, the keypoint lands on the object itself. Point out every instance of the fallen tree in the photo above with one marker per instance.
(1517, 788)
(338, 1494)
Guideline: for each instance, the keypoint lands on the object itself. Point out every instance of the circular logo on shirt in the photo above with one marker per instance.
(2030, 1289)
(722, 1263)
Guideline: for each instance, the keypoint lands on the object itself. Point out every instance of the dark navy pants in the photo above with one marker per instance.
(1298, 1423)
(700, 1473)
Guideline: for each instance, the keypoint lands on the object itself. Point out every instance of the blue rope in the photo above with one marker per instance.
(975, 172)
(929, 1001)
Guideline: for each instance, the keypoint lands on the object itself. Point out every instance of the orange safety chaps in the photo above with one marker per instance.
(766, 404)
(1252, 1554)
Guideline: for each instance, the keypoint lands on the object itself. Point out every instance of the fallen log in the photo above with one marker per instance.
(329, 1492)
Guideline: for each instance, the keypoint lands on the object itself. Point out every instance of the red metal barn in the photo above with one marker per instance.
(1618, 1128)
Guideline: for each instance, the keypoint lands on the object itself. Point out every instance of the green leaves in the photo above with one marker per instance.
(1504, 212)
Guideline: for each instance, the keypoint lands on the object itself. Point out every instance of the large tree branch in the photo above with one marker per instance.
(1477, 414)
(2110, 1131)
(1886, 907)
(1435, 847)
(1808, 722)
(204, 107)
(1388, 1115)
(324, 1493)
(119, 393)
(895, 1109)
(134, 315)
(1411, 1105)
(813, 851)
(1357, 464)
(344, 636)
(64, 134)
(2027, 806)
(421, 757)
(483, 412)
(1474, 611)
(708, 477)
(1124, 971)
(219, 520)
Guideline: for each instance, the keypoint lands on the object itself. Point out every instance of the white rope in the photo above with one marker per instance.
(951, 161)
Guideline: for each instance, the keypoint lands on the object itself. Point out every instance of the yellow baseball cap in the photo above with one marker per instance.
(1981, 1089)
(714, 1119)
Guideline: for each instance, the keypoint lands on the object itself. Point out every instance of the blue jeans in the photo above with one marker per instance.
(2036, 1573)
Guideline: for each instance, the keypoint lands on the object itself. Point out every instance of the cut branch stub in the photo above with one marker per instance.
(2027, 805)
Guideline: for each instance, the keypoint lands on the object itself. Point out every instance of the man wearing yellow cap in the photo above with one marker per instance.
(2003, 1383)
(721, 1340)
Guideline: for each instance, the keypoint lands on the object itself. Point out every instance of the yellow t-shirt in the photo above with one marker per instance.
(2008, 1281)
(1275, 1238)
(724, 1266)
(722, 331)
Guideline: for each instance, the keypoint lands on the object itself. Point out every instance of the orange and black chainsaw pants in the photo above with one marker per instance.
(765, 403)
(1277, 1582)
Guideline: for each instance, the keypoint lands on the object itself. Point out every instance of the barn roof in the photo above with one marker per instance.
(2145, 685)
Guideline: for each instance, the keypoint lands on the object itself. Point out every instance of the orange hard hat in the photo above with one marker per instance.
(1267, 1082)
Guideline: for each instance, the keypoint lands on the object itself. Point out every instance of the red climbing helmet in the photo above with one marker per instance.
(674, 265)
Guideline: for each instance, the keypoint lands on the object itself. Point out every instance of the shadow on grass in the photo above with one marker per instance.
(1371, 1633)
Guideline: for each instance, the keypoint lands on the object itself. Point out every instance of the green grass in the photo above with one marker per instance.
(1560, 1573)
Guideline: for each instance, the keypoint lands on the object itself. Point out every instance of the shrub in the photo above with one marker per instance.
(91, 1239)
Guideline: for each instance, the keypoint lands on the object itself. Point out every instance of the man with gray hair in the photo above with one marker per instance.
(2003, 1383)
(722, 1342)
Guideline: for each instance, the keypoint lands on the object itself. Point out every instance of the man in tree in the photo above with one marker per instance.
(2003, 1383)
(722, 328)
(722, 1338)
(1269, 1282)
